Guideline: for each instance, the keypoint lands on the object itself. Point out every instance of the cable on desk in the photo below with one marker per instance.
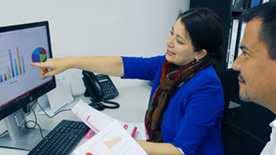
(35, 122)
(26, 126)
(54, 114)
(28, 111)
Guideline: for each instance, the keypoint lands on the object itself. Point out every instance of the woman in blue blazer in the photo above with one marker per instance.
(186, 102)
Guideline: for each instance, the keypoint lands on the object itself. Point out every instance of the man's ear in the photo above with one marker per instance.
(201, 54)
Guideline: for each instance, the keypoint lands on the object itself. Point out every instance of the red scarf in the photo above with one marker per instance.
(172, 76)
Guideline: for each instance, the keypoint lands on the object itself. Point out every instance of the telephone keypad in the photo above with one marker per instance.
(107, 86)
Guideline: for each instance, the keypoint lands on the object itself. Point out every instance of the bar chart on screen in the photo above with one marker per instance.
(12, 64)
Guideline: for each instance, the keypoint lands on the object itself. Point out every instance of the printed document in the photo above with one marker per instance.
(112, 140)
(112, 136)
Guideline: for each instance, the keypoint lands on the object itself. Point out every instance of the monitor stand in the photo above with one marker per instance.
(19, 137)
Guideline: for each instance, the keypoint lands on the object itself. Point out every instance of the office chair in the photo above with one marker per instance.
(245, 125)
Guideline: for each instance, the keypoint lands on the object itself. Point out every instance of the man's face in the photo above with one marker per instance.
(257, 78)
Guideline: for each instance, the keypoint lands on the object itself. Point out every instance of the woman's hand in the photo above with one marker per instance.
(153, 148)
(51, 67)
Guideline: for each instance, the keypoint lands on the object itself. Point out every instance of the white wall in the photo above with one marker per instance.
(99, 27)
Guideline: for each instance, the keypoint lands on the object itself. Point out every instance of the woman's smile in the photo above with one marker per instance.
(170, 53)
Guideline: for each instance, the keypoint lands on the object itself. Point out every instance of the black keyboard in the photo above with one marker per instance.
(62, 139)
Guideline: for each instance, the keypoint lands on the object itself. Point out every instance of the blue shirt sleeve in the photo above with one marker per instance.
(142, 68)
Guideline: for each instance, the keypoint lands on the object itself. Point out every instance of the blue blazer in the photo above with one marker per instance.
(192, 120)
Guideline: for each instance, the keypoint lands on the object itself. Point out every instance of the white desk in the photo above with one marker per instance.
(133, 104)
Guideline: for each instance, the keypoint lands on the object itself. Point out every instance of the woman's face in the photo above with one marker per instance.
(180, 50)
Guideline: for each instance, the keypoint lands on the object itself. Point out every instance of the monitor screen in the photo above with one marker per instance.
(20, 83)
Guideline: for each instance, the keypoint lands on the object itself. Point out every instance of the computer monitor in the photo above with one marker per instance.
(20, 83)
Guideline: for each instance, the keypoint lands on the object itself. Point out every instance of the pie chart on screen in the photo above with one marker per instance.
(39, 55)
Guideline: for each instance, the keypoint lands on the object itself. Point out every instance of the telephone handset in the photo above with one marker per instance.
(100, 89)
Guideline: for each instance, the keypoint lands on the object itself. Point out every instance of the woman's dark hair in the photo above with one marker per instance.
(267, 33)
(205, 31)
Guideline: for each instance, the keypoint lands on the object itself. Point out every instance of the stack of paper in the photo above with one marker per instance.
(112, 136)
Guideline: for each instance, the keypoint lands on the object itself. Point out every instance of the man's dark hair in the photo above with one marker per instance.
(267, 14)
